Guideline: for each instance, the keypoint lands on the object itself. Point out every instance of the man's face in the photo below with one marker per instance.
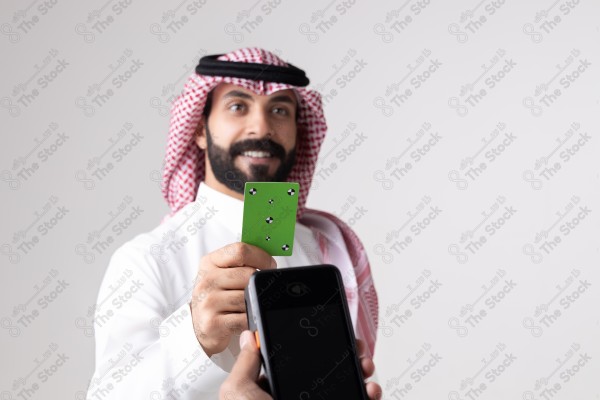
(248, 137)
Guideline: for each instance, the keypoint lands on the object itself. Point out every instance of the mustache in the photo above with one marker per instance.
(269, 145)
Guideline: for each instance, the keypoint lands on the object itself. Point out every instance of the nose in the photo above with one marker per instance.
(260, 124)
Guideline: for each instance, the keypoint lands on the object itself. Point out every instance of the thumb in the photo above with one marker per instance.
(247, 365)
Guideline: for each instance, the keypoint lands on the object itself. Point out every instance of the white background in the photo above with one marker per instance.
(534, 200)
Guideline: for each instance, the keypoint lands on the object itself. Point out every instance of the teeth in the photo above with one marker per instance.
(257, 154)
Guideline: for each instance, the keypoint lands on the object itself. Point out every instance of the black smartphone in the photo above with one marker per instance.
(305, 333)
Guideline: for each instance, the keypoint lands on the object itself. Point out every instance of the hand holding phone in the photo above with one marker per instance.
(244, 380)
(307, 342)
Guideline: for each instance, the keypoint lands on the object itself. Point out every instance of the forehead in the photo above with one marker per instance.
(227, 90)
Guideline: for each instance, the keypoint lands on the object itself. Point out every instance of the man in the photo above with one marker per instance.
(171, 307)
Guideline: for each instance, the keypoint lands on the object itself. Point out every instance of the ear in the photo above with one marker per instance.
(200, 134)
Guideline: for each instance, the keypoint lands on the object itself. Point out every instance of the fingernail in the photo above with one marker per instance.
(245, 338)
(273, 263)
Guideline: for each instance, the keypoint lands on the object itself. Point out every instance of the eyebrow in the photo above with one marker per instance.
(283, 99)
(237, 93)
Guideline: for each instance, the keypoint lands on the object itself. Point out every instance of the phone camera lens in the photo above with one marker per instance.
(297, 289)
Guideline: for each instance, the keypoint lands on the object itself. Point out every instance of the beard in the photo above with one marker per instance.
(224, 170)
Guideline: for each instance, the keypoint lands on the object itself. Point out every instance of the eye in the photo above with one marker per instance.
(235, 107)
(281, 111)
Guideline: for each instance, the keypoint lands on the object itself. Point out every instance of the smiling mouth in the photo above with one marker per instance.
(257, 154)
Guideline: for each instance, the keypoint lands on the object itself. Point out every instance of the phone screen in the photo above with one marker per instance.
(299, 366)
(309, 347)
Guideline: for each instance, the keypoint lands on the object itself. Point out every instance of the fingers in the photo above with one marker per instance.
(228, 278)
(242, 381)
(374, 391)
(217, 303)
(242, 254)
(247, 365)
(233, 323)
(223, 301)
(367, 365)
(360, 348)
(214, 331)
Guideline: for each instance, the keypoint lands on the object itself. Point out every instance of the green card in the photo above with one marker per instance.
(270, 216)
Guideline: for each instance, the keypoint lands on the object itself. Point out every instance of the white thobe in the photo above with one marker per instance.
(146, 347)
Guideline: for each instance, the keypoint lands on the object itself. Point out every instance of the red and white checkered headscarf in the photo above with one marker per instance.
(184, 169)
(184, 161)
